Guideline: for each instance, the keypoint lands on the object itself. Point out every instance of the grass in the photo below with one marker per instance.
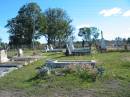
(114, 83)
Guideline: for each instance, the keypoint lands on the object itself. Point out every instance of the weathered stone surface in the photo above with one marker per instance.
(3, 56)
(20, 52)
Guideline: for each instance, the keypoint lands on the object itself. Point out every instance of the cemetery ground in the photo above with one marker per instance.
(115, 82)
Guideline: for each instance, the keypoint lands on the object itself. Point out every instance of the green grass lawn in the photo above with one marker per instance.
(115, 81)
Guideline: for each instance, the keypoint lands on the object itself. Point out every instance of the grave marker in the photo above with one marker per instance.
(3, 56)
(20, 52)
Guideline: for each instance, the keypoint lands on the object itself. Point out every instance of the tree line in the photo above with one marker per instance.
(54, 24)
(31, 23)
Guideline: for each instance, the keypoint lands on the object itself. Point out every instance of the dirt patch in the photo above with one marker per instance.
(17, 93)
(77, 93)
(109, 88)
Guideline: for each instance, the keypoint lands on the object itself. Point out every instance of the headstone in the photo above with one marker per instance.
(20, 52)
(51, 47)
(47, 48)
(68, 50)
(3, 56)
(71, 45)
(103, 45)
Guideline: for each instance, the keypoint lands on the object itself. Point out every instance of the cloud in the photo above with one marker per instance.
(110, 12)
(126, 14)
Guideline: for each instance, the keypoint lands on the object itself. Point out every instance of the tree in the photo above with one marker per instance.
(128, 41)
(95, 33)
(58, 26)
(89, 34)
(118, 41)
(0, 42)
(24, 27)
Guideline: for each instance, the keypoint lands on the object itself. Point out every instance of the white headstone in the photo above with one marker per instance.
(3, 56)
(69, 50)
(51, 47)
(20, 52)
(71, 45)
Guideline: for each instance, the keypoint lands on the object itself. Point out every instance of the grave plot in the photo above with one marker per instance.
(71, 50)
(5, 70)
(8, 65)
(63, 63)
(50, 65)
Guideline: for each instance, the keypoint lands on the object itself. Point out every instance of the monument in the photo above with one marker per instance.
(20, 52)
(102, 44)
(71, 50)
(70, 46)
(68, 51)
(51, 47)
(3, 56)
(47, 48)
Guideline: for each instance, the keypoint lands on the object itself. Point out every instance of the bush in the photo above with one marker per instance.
(68, 70)
(87, 75)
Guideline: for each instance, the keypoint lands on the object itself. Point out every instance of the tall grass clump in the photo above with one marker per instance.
(88, 75)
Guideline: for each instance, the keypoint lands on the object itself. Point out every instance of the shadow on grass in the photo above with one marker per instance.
(57, 57)
(38, 77)
(35, 78)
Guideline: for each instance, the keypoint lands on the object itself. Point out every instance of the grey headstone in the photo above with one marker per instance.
(103, 44)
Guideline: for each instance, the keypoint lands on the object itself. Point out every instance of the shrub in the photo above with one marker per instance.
(87, 75)
(68, 70)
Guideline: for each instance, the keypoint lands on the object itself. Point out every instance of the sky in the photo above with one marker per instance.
(111, 16)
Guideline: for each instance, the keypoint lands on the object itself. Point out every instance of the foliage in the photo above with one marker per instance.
(89, 34)
(87, 75)
(31, 23)
(0, 40)
(24, 27)
(118, 41)
(3, 45)
(128, 41)
(58, 25)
